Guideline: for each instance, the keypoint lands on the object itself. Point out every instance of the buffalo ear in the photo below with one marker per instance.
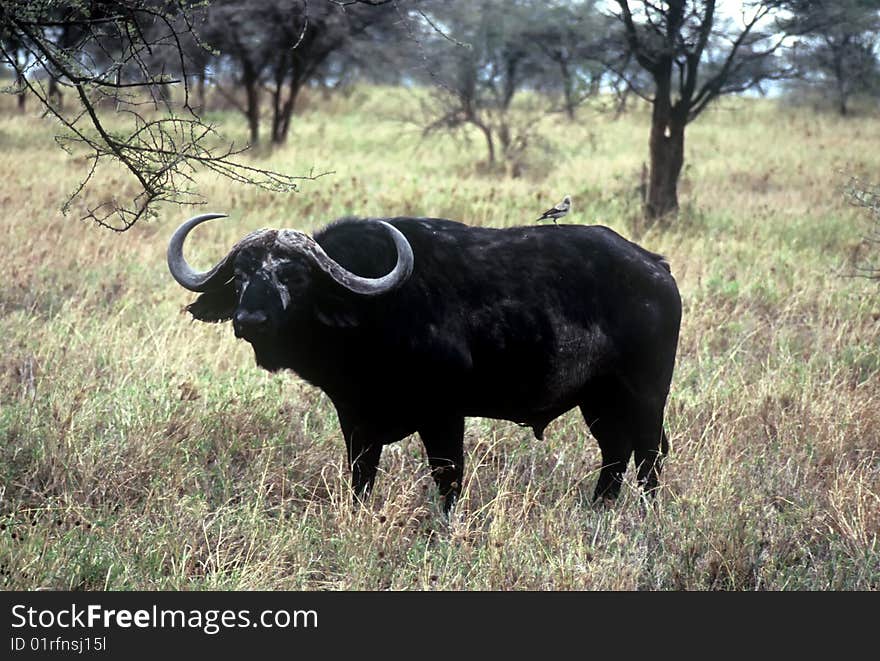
(214, 306)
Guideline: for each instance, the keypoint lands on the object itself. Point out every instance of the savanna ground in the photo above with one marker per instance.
(140, 450)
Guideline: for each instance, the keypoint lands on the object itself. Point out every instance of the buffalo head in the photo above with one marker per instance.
(267, 278)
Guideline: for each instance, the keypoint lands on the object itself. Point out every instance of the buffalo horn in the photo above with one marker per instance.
(291, 240)
(307, 246)
(207, 280)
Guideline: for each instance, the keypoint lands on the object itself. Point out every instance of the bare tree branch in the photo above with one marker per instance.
(120, 53)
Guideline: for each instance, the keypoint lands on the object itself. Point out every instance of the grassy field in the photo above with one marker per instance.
(140, 450)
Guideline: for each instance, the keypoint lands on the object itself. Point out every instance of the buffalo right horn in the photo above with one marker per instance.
(306, 245)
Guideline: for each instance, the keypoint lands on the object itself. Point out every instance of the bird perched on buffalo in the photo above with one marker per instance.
(558, 211)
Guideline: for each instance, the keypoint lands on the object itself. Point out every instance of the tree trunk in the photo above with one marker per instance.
(286, 114)
(667, 159)
(840, 83)
(276, 113)
(282, 112)
(490, 143)
(620, 106)
(22, 99)
(567, 88)
(252, 90)
(281, 69)
(200, 88)
(54, 95)
(509, 82)
(842, 97)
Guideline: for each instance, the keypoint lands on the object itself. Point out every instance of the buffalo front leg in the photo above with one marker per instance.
(444, 444)
(363, 451)
(363, 458)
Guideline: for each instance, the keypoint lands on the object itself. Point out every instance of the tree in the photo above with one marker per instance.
(837, 49)
(478, 72)
(234, 29)
(113, 56)
(571, 38)
(280, 46)
(15, 54)
(693, 56)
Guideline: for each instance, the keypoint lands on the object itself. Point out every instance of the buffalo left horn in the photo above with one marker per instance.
(214, 278)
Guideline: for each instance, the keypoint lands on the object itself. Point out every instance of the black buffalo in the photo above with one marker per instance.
(413, 324)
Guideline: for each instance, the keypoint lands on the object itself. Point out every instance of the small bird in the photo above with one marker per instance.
(557, 212)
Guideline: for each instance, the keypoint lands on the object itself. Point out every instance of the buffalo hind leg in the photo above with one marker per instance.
(649, 455)
(628, 427)
(616, 447)
(444, 444)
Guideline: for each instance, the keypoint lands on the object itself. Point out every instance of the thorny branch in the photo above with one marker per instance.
(118, 56)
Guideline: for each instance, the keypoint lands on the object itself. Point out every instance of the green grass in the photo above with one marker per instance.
(140, 450)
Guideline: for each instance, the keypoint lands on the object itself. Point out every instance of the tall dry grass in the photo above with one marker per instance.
(139, 450)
